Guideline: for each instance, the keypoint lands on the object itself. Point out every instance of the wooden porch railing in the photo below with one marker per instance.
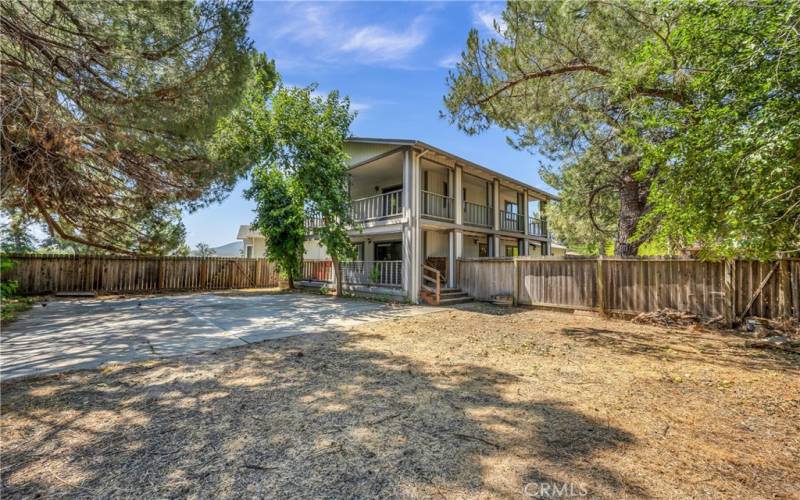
(373, 272)
(437, 205)
(432, 283)
(376, 207)
(478, 215)
(537, 227)
(510, 221)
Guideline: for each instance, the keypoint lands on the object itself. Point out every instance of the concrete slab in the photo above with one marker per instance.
(69, 335)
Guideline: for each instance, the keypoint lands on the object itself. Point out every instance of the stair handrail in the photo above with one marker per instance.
(436, 279)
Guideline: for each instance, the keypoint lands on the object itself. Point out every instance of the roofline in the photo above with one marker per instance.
(423, 145)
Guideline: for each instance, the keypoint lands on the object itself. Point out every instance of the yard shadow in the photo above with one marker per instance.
(683, 345)
(302, 417)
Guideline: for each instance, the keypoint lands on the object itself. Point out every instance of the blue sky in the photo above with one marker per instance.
(391, 59)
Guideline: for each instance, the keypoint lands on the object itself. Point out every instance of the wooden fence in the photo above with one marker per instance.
(41, 274)
(727, 289)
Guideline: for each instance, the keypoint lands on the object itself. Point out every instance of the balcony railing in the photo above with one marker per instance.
(369, 272)
(477, 215)
(379, 206)
(314, 220)
(537, 227)
(510, 221)
(437, 205)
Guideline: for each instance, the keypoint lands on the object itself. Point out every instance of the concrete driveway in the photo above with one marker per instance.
(77, 334)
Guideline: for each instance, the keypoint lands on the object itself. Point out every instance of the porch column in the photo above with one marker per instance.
(408, 240)
(496, 205)
(496, 245)
(459, 236)
(525, 213)
(459, 195)
(451, 260)
(546, 247)
(416, 229)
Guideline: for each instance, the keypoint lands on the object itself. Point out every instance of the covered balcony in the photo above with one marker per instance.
(376, 189)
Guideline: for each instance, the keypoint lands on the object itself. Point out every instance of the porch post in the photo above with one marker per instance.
(496, 245)
(416, 229)
(451, 259)
(496, 205)
(408, 241)
(459, 195)
(459, 244)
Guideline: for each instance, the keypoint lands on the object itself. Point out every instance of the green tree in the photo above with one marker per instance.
(678, 117)
(109, 109)
(730, 179)
(300, 134)
(280, 217)
(309, 131)
(204, 250)
(557, 76)
(15, 233)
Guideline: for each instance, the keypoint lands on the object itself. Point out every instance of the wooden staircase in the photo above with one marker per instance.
(452, 296)
(432, 292)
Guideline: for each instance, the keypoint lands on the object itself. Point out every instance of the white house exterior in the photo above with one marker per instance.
(416, 204)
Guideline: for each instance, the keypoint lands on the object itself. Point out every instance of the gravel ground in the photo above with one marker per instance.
(474, 402)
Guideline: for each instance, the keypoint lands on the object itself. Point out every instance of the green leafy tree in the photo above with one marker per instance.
(309, 131)
(280, 217)
(678, 117)
(204, 250)
(557, 76)
(300, 134)
(730, 175)
(109, 109)
(15, 233)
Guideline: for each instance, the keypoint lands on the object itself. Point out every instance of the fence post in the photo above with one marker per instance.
(160, 273)
(203, 272)
(515, 294)
(784, 305)
(728, 302)
(600, 285)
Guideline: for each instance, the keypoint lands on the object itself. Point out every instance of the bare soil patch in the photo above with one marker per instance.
(475, 402)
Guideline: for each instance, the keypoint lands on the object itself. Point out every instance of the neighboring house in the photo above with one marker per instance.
(417, 205)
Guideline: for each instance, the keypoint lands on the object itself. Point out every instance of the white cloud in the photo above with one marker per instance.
(333, 34)
(450, 61)
(486, 14)
(382, 44)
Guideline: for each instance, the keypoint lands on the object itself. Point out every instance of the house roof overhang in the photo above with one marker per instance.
(455, 159)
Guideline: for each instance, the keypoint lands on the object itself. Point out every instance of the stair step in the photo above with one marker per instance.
(455, 300)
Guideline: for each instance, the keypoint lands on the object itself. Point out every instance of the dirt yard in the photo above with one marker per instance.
(477, 402)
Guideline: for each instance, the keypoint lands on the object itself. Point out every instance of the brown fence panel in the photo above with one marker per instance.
(558, 282)
(482, 278)
(633, 285)
(37, 274)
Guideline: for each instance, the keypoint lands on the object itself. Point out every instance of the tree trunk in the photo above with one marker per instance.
(632, 206)
(337, 271)
(291, 281)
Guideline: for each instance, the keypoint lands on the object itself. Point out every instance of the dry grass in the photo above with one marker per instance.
(475, 402)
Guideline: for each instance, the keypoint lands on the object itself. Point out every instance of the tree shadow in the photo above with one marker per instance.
(302, 417)
(684, 346)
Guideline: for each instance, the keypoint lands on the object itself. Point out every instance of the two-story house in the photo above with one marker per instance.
(418, 205)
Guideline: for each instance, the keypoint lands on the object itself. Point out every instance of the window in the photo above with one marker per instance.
(249, 251)
(512, 251)
(511, 210)
(483, 250)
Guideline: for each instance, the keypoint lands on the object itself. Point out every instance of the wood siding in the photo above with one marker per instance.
(40, 274)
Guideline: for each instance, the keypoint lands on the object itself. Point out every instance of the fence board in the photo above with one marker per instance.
(38, 273)
(635, 285)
